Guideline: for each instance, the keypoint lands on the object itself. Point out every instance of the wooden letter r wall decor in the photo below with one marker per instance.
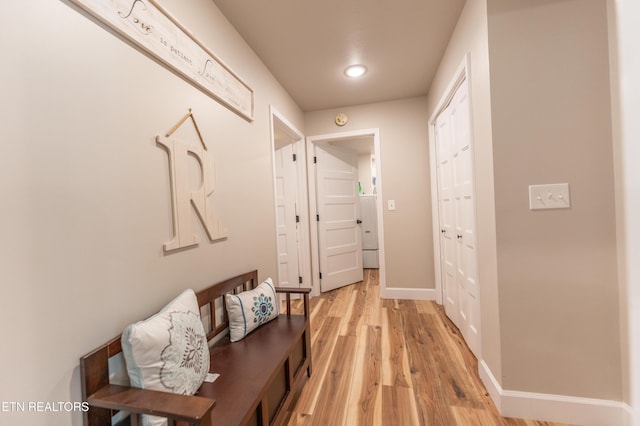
(183, 198)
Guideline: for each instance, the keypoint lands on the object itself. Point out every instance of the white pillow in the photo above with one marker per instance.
(250, 309)
(169, 351)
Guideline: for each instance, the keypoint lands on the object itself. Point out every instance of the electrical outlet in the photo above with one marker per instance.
(552, 196)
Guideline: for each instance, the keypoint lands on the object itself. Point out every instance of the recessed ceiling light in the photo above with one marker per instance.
(355, 71)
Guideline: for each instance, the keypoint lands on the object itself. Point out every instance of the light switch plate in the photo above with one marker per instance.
(391, 204)
(552, 196)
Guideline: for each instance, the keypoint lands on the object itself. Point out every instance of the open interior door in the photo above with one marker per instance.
(339, 238)
(286, 185)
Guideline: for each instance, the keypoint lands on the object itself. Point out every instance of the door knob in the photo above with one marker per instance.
(459, 236)
(358, 221)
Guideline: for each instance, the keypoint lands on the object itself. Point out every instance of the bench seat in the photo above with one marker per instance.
(255, 367)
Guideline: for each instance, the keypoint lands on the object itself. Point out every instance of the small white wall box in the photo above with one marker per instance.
(551, 196)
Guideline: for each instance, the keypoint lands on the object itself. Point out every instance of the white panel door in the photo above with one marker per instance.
(465, 216)
(447, 218)
(457, 217)
(286, 187)
(339, 239)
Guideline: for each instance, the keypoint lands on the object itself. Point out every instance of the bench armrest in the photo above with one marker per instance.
(294, 290)
(185, 408)
(288, 291)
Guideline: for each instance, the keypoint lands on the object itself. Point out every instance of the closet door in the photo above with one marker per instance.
(457, 217)
(447, 219)
(464, 201)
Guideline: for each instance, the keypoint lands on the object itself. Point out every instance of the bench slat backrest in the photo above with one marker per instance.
(94, 366)
(207, 300)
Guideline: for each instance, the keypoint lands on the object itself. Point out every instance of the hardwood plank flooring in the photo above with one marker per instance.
(390, 362)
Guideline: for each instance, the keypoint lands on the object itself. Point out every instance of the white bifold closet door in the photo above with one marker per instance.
(456, 201)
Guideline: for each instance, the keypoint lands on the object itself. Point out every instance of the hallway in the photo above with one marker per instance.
(390, 362)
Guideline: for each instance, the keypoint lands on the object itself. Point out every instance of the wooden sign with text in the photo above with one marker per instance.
(148, 26)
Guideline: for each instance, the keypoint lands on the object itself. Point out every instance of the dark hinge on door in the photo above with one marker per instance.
(299, 280)
(320, 275)
(297, 218)
(315, 159)
(317, 218)
(294, 157)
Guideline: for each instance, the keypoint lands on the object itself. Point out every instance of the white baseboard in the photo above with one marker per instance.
(628, 415)
(553, 408)
(492, 385)
(408, 293)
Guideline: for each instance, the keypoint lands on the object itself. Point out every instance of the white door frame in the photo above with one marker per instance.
(304, 252)
(461, 75)
(315, 263)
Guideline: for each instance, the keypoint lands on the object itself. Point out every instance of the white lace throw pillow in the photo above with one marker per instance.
(168, 351)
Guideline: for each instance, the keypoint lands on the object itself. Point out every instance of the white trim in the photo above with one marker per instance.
(624, 65)
(304, 253)
(490, 382)
(313, 224)
(311, 140)
(553, 408)
(291, 129)
(435, 212)
(408, 293)
(628, 415)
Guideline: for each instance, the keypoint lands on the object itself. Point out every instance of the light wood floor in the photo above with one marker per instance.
(390, 362)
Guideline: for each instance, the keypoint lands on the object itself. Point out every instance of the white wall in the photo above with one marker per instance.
(625, 67)
(551, 123)
(404, 160)
(545, 330)
(85, 204)
(364, 173)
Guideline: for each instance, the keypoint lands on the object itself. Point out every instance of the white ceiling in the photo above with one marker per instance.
(359, 145)
(307, 44)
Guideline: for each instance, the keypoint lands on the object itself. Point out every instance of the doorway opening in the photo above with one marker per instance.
(343, 168)
(290, 188)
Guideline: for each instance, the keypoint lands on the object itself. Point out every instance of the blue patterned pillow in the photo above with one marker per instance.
(250, 309)
(169, 351)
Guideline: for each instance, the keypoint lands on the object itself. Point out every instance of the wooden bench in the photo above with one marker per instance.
(259, 375)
